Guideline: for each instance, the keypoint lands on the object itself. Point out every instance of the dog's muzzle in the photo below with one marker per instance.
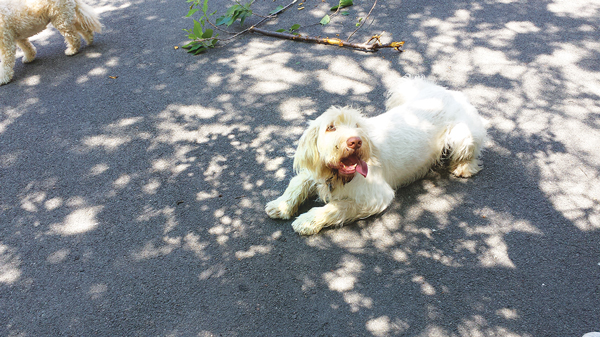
(351, 164)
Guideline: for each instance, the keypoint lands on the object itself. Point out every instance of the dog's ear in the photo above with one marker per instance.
(307, 153)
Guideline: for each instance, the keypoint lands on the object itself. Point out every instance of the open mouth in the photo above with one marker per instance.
(352, 164)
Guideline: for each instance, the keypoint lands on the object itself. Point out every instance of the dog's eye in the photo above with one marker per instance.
(330, 128)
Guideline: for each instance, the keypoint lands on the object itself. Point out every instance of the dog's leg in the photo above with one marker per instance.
(65, 23)
(339, 212)
(73, 42)
(28, 49)
(332, 214)
(8, 51)
(87, 35)
(300, 187)
(465, 149)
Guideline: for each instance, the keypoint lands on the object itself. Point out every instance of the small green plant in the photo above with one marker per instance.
(202, 37)
(234, 13)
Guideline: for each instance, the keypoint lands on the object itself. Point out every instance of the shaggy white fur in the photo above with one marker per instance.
(423, 123)
(21, 19)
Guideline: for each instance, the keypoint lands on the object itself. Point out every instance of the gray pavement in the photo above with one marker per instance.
(133, 206)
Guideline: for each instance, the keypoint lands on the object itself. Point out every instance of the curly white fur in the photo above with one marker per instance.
(424, 121)
(21, 19)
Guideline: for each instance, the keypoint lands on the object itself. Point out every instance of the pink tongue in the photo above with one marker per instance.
(361, 166)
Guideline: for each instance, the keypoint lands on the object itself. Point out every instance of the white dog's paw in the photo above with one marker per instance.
(28, 59)
(468, 169)
(29, 55)
(279, 209)
(5, 77)
(305, 224)
(71, 51)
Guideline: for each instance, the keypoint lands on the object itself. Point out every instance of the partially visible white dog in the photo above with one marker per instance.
(354, 163)
(21, 19)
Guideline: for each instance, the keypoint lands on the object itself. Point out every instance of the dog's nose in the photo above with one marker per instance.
(354, 143)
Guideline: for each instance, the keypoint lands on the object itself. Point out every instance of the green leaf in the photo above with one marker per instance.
(325, 20)
(195, 47)
(231, 20)
(277, 9)
(244, 15)
(342, 4)
(189, 45)
(295, 27)
(280, 30)
(197, 28)
(345, 13)
(191, 12)
(205, 6)
(201, 50)
(207, 33)
(222, 20)
(231, 9)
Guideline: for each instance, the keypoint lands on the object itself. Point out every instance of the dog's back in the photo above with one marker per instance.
(22, 18)
(408, 87)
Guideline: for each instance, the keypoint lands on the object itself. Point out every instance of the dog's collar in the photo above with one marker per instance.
(330, 182)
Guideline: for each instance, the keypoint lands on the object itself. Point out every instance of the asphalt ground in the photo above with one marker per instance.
(133, 178)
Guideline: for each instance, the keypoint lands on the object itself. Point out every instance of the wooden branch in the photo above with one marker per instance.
(367, 46)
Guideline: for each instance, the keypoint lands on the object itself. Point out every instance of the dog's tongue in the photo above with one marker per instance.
(361, 166)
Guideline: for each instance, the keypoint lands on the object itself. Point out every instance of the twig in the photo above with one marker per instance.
(260, 22)
(219, 29)
(363, 21)
(367, 46)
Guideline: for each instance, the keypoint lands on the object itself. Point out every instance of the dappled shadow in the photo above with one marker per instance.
(134, 176)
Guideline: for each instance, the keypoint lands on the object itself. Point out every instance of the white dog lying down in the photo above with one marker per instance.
(21, 19)
(393, 149)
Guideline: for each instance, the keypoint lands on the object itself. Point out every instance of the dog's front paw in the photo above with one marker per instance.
(305, 224)
(279, 209)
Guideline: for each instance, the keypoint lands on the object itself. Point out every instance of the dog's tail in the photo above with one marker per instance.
(407, 87)
(87, 17)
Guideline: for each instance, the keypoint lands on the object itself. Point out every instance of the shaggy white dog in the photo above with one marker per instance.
(354, 163)
(21, 19)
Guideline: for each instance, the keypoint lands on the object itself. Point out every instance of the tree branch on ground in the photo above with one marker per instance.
(203, 38)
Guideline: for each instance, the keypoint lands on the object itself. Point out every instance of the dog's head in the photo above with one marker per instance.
(335, 144)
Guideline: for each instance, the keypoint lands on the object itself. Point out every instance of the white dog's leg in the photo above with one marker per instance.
(73, 42)
(338, 212)
(87, 35)
(465, 150)
(300, 187)
(332, 214)
(65, 23)
(7, 56)
(28, 49)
